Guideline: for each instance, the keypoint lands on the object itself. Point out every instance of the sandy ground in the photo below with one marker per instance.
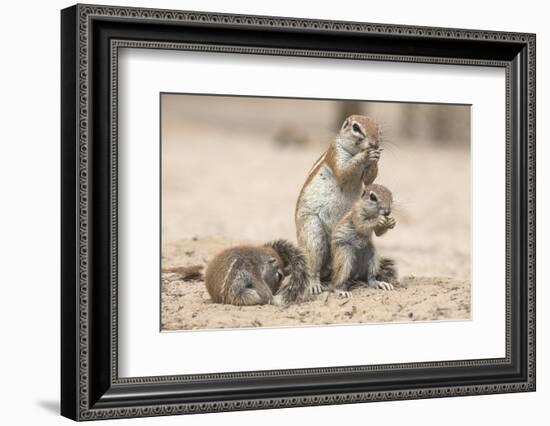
(186, 304)
(247, 193)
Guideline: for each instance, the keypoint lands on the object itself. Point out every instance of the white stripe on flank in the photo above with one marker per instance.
(319, 161)
(224, 284)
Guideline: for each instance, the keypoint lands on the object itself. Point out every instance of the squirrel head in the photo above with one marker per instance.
(252, 292)
(273, 271)
(359, 132)
(375, 200)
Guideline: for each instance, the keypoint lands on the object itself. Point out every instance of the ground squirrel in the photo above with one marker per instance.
(355, 261)
(333, 184)
(252, 275)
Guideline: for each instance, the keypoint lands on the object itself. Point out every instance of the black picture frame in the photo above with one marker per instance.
(90, 38)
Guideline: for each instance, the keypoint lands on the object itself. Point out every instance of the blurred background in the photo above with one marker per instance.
(303, 121)
(232, 169)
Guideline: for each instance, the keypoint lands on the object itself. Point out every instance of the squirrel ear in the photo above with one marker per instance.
(346, 123)
(363, 193)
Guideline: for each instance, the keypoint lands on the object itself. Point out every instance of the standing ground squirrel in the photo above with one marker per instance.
(333, 184)
(355, 261)
(252, 275)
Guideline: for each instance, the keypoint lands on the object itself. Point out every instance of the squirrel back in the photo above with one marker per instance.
(252, 275)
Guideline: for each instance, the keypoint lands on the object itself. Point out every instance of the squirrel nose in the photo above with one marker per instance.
(387, 212)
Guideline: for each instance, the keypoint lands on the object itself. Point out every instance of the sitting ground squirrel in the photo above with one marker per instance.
(355, 261)
(332, 186)
(252, 275)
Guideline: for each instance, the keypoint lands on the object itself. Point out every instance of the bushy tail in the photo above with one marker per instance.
(387, 271)
(296, 288)
(193, 272)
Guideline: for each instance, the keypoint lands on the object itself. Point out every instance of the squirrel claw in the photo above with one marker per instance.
(342, 293)
(374, 155)
(316, 288)
(382, 221)
(382, 285)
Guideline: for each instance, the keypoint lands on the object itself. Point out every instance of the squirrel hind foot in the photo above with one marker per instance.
(381, 285)
(387, 271)
(316, 288)
(345, 294)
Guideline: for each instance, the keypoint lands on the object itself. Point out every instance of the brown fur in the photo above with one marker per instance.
(316, 166)
(332, 185)
(293, 290)
(227, 271)
(329, 158)
(370, 125)
(355, 261)
(369, 175)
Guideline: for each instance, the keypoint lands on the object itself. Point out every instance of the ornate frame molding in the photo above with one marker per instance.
(82, 16)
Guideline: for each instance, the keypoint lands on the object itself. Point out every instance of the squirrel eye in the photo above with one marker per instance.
(356, 128)
(373, 197)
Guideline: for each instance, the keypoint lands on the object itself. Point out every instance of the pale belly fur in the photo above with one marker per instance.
(325, 198)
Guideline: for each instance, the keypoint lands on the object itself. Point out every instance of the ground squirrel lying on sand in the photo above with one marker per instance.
(252, 275)
(333, 184)
(355, 261)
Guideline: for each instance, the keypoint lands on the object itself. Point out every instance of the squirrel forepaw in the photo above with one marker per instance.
(382, 221)
(374, 154)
